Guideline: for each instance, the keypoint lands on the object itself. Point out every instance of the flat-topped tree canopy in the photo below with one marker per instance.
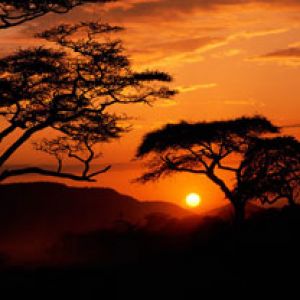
(15, 12)
(204, 148)
(186, 134)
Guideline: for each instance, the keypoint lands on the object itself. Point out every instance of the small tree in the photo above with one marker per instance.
(271, 171)
(203, 148)
(71, 90)
(15, 12)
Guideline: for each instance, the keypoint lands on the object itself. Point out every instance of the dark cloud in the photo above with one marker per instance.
(178, 51)
(293, 52)
(189, 44)
(287, 56)
(172, 8)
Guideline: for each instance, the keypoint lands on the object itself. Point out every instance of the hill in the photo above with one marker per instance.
(35, 215)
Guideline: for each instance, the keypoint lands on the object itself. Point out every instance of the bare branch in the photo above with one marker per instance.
(198, 157)
(35, 170)
(227, 168)
(71, 89)
(17, 144)
(8, 130)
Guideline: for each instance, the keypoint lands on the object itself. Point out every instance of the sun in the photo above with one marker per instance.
(193, 200)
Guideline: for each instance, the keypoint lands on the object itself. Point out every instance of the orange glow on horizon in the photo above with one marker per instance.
(193, 200)
(226, 60)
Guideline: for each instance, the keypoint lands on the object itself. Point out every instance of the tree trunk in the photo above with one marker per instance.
(238, 204)
(239, 213)
(291, 201)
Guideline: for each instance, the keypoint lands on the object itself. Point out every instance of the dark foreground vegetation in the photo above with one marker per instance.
(162, 259)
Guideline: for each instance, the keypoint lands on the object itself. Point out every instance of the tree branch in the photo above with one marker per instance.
(188, 170)
(10, 21)
(35, 170)
(100, 171)
(227, 168)
(218, 181)
(173, 166)
(4, 133)
(6, 155)
(89, 159)
(198, 157)
(265, 199)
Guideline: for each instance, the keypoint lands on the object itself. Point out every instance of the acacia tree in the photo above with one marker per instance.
(271, 171)
(15, 12)
(71, 90)
(203, 148)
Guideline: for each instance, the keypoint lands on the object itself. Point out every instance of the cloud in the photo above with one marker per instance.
(258, 33)
(288, 56)
(167, 103)
(195, 87)
(294, 45)
(246, 102)
(190, 45)
(236, 102)
(175, 8)
(187, 36)
(247, 35)
(193, 50)
(296, 125)
(181, 50)
(287, 53)
(176, 52)
(232, 52)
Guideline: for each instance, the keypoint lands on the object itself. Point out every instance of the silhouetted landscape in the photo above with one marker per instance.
(34, 216)
(194, 96)
(107, 245)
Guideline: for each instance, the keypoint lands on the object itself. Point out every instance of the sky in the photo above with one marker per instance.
(228, 58)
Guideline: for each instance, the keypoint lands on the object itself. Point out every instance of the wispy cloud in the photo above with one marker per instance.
(237, 102)
(231, 52)
(258, 33)
(195, 87)
(167, 103)
(183, 50)
(296, 125)
(165, 8)
(246, 102)
(288, 56)
(177, 51)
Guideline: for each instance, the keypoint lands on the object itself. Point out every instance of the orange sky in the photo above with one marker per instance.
(228, 58)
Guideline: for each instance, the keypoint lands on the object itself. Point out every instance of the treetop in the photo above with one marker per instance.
(186, 134)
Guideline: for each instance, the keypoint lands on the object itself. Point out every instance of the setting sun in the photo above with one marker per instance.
(193, 200)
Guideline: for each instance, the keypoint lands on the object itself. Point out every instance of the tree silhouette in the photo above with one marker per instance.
(15, 12)
(271, 171)
(204, 149)
(71, 90)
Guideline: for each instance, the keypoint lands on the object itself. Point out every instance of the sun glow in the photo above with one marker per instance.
(193, 200)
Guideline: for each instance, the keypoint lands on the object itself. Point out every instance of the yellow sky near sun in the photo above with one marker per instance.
(228, 58)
